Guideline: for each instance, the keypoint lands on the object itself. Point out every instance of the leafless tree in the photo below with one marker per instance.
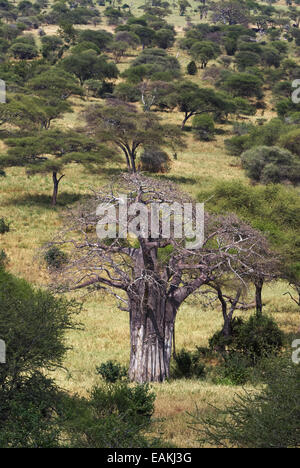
(151, 275)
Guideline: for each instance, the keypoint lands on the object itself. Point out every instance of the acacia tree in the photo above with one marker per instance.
(192, 100)
(231, 12)
(49, 152)
(232, 290)
(32, 112)
(151, 272)
(121, 124)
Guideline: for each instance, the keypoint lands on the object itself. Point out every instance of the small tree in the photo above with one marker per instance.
(128, 130)
(204, 127)
(88, 64)
(192, 68)
(50, 151)
(33, 324)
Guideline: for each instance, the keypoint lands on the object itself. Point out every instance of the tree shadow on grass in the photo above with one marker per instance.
(179, 179)
(42, 200)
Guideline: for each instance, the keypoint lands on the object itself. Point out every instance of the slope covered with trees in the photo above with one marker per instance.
(168, 102)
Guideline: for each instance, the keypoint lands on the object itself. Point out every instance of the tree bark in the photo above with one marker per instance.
(151, 336)
(55, 187)
(258, 296)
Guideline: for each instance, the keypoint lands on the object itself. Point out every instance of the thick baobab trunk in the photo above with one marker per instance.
(151, 336)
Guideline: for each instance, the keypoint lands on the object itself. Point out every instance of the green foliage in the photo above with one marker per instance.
(32, 325)
(154, 64)
(251, 340)
(30, 417)
(235, 370)
(268, 418)
(291, 141)
(259, 337)
(155, 160)
(3, 258)
(87, 65)
(4, 226)
(192, 68)
(271, 165)
(112, 371)
(260, 135)
(204, 127)
(188, 364)
(115, 415)
(243, 85)
(55, 258)
(23, 51)
(272, 209)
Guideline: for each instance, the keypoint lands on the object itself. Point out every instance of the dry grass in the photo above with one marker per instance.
(26, 203)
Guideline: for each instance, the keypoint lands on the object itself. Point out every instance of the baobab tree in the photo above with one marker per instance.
(152, 272)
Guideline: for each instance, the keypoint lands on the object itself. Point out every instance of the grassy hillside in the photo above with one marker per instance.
(24, 201)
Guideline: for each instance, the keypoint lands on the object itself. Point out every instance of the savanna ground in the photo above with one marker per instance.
(26, 203)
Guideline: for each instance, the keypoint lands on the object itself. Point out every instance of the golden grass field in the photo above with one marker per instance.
(26, 203)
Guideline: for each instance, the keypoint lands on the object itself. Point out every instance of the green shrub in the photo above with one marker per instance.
(111, 371)
(237, 144)
(254, 339)
(33, 325)
(187, 364)
(258, 337)
(271, 165)
(192, 68)
(4, 226)
(3, 258)
(221, 342)
(155, 160)
(55, 258)
(204, 127)
(30, 416)
(265, 419)
(115, 415)
(234, 371)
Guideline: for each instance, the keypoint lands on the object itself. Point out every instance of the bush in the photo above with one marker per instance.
(258, 337)
(192, 68)
(234, 371)
(204, 127)
(188, 365)
(4, 226)
(33, 325)
(30, 417)
(55, 258)
(254, 339)
(237, 144)
(112, 371)
(127, 92)
(271, 165)
(3, 258)
(265, 419)
(291, 140)
(115, 415)
(155, 160)
(221, 342)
